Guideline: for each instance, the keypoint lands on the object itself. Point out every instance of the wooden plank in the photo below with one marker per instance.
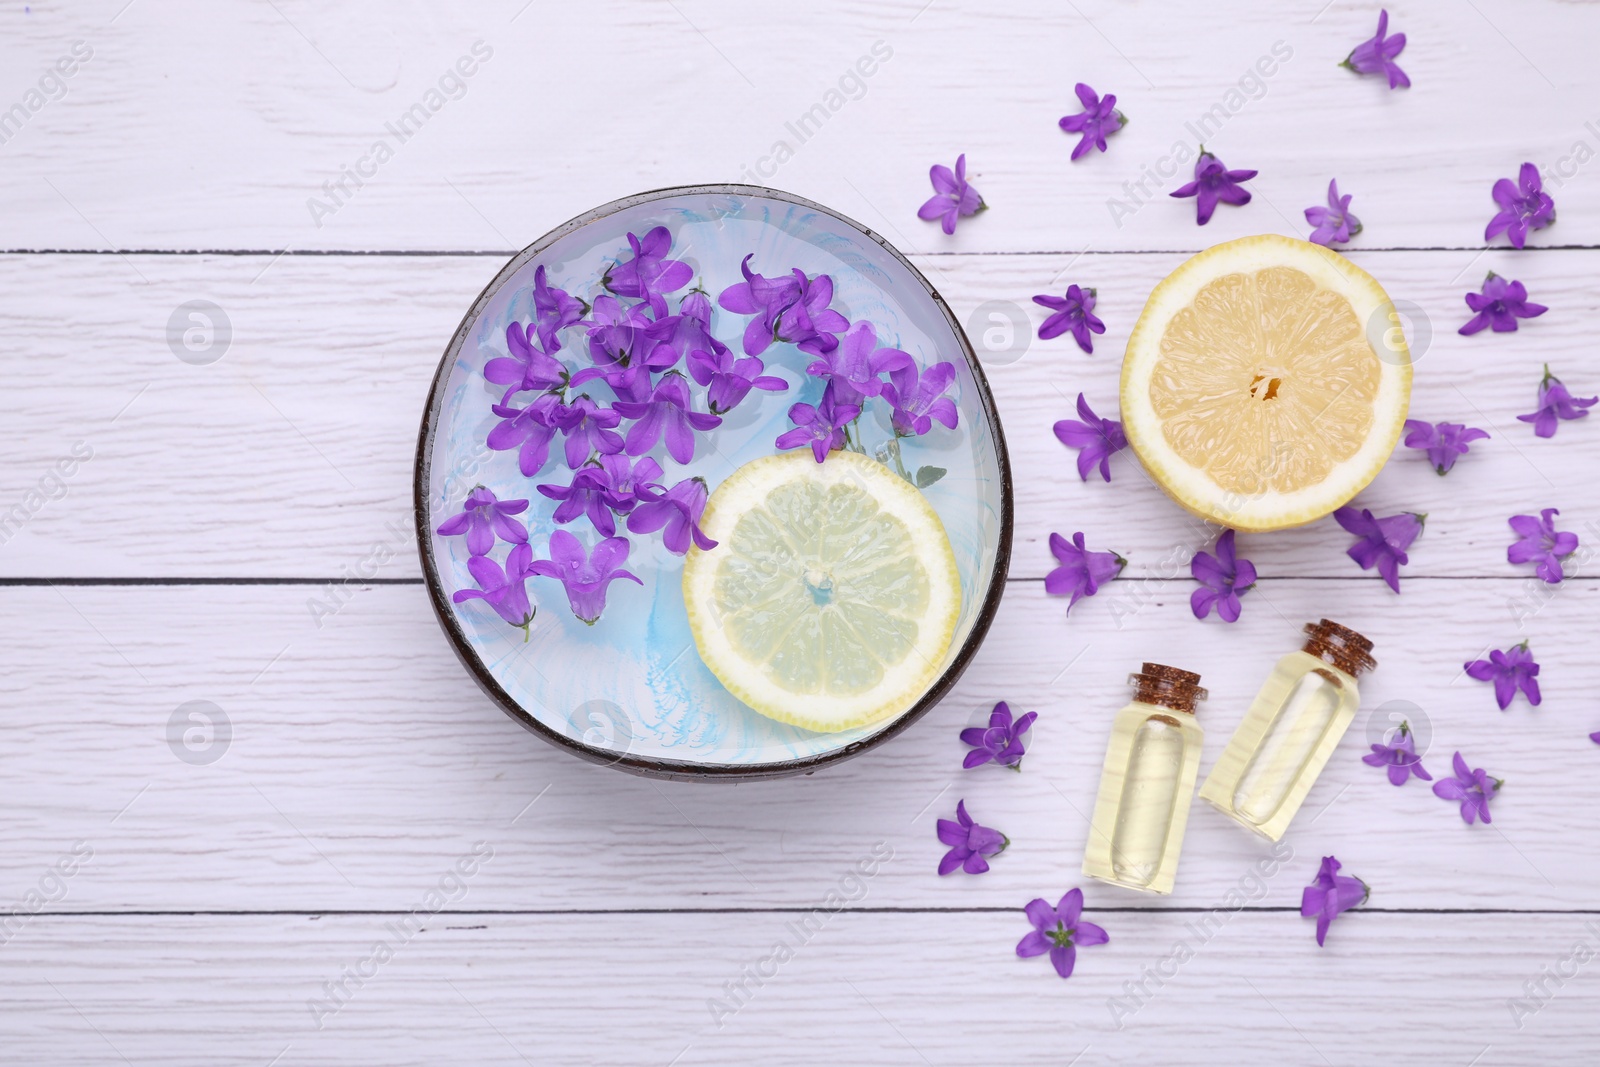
(362, 758)
(892, 988)
(258, 106)
(291, 455)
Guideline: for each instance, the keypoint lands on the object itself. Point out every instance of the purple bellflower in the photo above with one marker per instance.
(1524, 206)
(529, 430)
(666, 415)
(728, 379)
(1555, 404)
(1096, 439)
(1060, 931)
(589, 494)
(821, 427)
(527, 367)
(585, 576)
(1001, 742)
(1472, 787)
(483, 517)
(1500, 305)
(1331, 894)
(1443, 442)
(554, 310)
(1383, 541)
(1223, 579)
(1400, 758)
(629, 481)
(953, 196)
(678, 510)
(1510, 670)
(649, 271)
(1213, 183)
(765, 298)
(588, 429)
(1098, 119)
(503, 590)
(1074, 312)
(1541, 543)
(1082, 572)
(1334, 223)
(809, 323)
(969, 843)
(1376, 55)
(852, 368)
(916, 398)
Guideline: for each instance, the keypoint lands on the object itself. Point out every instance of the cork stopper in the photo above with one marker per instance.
(1340, 646)
(1167, 687)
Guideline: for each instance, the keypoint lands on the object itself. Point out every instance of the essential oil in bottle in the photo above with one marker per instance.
(1291, 729)
(1147, 783)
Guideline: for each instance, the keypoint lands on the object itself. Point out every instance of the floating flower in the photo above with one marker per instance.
(1334, 223)
(590, 494)
(1330, 895)
(503, 590)
(1060, 931)
(953, 196)
(1510, 670)
(821, 427)
(1400, 758)
(666, 415)
(1443, 442)
(809, 323)
(1096, 439)
(1074, 312)
(554, 310)
(853, 367)
(969, 843)
(916, 398)
(1001, 741)
(649, 271)
(1472, 788)
(1524, 206)
(1082, 572)
(1542, 543)
(729, 379)
(483, 516)
(1376, 55)
(766, 298)
(588, 429)
(1500, 305)
(679, 510)
(629, 482)
(585, 576)
(526, 368)
(1223, 579)
(626, 336)
(1098, 119)
(1214, 182)
(529, 430)
(1555, 404)
(1383, 541)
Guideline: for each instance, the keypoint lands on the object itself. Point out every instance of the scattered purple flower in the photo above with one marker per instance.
(503, 590)
(678, 510)
(1330, 895)
(821, 427)
(666, 415)
(526, 368)
(1541, 543)
(1524, 206)
(1510, 670)
(1074, 312)
(809, 323)
(585, 576)
(1472, 787)
(1443, 442)
(1555, 404)
(1334, 223)
(969, 843)
(1214, 182)
(916, 398)
(1001, 742)
(728, 379)
(1096, 439)
(1098, 119)
(554, 310)
(1500, 305)
(1082, 572)
(483, 517)
(590, 494)
(1400, 758)
(853, 367)
(1223, 579)
(765, 298)
(529, 430)
(1376, 55)
(953, 196)
(629, 482)
(1060, 930)
(1383, 541)
(588, 430)
(649, 271)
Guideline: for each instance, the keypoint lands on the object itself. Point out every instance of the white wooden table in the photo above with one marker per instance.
(226, 897)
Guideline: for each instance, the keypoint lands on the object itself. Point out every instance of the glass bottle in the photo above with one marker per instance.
(1147, 783)
(1291, 729)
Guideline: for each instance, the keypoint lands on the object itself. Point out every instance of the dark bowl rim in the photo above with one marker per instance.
(685, 769)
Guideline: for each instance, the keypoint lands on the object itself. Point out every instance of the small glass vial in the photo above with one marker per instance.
(1147, 783)
(1291, 729)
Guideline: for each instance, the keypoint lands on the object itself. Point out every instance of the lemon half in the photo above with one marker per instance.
(1252, 391)
(832, 596)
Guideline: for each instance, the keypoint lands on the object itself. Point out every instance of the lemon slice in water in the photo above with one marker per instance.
(831, 598)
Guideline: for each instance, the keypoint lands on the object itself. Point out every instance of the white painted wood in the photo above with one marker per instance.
(865, 988)
(291, 456)
(363, 757)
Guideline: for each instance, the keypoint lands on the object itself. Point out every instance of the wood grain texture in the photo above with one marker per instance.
(300, 438)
